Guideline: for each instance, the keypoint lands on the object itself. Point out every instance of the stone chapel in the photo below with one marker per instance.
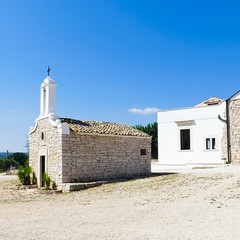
(72, 150)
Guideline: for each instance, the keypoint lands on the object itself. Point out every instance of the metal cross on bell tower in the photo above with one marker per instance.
(48, 71)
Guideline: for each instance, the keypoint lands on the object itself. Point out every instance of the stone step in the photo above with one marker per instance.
(69, 187)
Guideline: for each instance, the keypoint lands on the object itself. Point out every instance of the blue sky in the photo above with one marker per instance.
(113, 59)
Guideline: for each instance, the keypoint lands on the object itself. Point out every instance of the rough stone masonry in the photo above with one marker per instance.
(83, 157)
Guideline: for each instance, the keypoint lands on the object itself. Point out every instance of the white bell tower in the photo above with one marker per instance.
(48, 106)
(48, 97)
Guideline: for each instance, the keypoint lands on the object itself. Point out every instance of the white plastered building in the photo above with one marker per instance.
(208, 133)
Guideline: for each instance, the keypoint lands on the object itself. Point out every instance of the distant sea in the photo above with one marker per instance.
(4, 154)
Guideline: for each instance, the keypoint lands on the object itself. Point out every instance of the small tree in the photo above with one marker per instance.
(6, 163)
(19, 157)
(24, 175)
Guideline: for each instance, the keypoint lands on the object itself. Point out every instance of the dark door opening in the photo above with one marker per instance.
(42, 169)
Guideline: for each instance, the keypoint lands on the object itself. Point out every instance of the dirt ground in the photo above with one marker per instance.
(4, 177)
(203, 203)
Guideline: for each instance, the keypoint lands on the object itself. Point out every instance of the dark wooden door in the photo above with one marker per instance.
(43, 165)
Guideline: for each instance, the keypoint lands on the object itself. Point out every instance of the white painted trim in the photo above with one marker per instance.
(55, 122)
(216, 143)
(33, 129)
(179, 138)
(185, 123)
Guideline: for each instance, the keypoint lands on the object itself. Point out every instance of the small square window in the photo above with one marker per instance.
(213, 143)
(210, 143)
(143, 152)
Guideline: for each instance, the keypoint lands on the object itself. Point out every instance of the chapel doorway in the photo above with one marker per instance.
(42, 170)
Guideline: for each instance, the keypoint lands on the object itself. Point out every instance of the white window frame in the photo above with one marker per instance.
(184, 125)
(179, 139)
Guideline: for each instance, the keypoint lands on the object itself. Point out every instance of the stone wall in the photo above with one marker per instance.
(45, 140)
(90, 157)
(234, 113)
(86, 157)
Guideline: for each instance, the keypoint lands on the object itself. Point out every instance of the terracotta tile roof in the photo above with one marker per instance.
(80, 126)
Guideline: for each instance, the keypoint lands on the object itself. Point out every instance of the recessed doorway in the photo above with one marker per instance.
(42, 170)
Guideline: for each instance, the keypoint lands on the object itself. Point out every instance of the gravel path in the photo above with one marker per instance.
(4, 177)
(201, 204)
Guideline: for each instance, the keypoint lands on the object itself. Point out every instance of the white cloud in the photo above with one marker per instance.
(144, 111)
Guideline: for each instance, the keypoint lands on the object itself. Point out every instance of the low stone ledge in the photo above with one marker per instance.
(69, 187)
(44, 191)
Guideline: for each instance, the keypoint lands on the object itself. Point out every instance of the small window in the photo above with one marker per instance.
(210, 144)
(42, 136)
(143, 152)
(185, 139)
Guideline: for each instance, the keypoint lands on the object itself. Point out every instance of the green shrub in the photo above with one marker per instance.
(24, 175)
(47, 179)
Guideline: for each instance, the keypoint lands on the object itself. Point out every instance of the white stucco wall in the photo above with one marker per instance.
(48, 97)
(203, 122)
